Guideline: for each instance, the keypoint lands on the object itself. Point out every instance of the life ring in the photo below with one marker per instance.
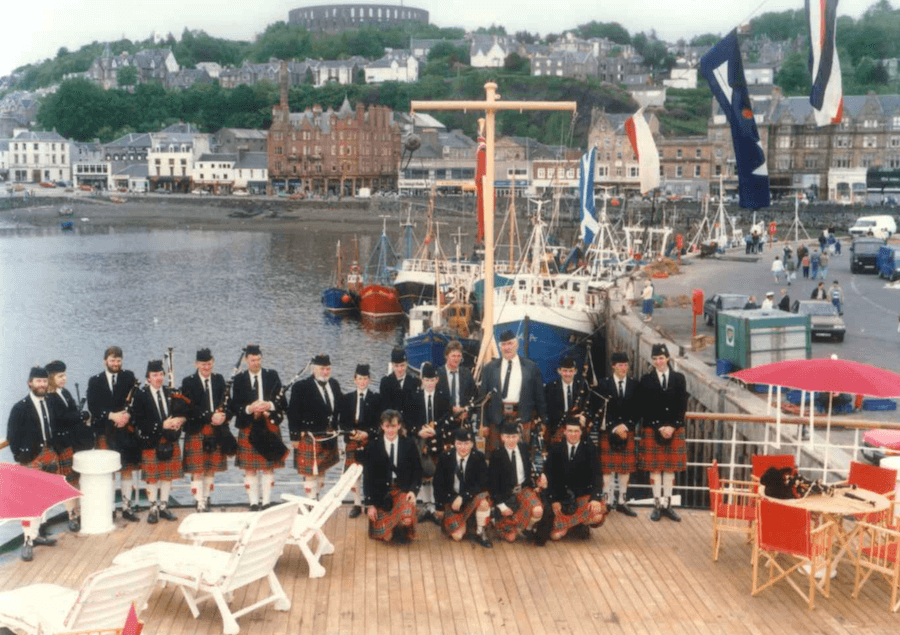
(660, 274)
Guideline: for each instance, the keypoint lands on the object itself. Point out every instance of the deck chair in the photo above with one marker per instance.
(762, 462)
(311, 518)
(879, 547)
(102, 602)
(785, 530)
(880, 480)
(733, 507)
(203, 573)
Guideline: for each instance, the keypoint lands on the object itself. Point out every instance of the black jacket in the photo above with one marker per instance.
(23, 430)
(664, 407)
(466, 387)
(556, 411)
(200, 413)
(377, 469)
(502, 473)
(307, 410)
(101, 401)
(581, 476)
(371, 412)
(242, 395)
(474, 479)
(625, 410)
(147, 420)
(71, 429)
(394, 397)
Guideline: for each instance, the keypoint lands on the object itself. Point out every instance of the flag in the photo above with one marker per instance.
(132, 626)
(723, 69)
(589, 224)
(480, 170)
(644, 149)
(827, 97)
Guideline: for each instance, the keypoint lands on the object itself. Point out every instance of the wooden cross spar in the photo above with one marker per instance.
(490, 105)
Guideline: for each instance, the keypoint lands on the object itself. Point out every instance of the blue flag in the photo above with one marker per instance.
(723, 69)
(589, 224)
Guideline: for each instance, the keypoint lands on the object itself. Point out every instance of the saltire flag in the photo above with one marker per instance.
(480, 170)
(723, 69)
(827, 97)
(589, 224)
(644, 149)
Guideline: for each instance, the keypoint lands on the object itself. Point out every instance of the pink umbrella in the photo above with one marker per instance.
(28, 493)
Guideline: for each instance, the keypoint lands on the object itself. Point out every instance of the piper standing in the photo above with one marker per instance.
(663, 447)
(618, 450)
(359, 411)
(398, 388)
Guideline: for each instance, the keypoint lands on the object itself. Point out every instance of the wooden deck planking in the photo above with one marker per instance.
(633, 576)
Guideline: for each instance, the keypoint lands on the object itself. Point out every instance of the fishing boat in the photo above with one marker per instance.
(433, 325)
(378, 297)
(339, 297)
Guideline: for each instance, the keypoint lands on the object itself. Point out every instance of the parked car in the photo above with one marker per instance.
(47, 184)
(824, 320)
(864, 254)
(722, 302)
(880, 226)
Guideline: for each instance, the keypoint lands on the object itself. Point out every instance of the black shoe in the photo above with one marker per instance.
(401, 536)
(42, 529)
(128, 514)
(153, 516)
(355, 512)
(528, 535)
(165, 513)
(43, 541)
(75, 524)
(670, 513)
(481, 539)
(655, 515)
(208, 504)
(625, 509)
(255, 507)
(582, 531)
(27, 551)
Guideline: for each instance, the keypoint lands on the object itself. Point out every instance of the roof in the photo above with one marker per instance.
(246, 133)
(40, 136)
(131, 140)
(252, 161)
(799, 109)
(212, 156)
(135, 170)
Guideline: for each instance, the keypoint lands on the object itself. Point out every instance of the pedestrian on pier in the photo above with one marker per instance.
(784, 304)
(790, 269)
(823, 265)
(647, 297)
(777, 269)
(805, 265)
(819, 292)
(814, 262)
(837, 297)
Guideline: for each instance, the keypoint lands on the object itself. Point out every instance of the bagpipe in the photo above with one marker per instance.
(220, 436)
(785, 484)
(444, 428)
(265, 432)
(125, 438)
(83, 438)
(179, 406)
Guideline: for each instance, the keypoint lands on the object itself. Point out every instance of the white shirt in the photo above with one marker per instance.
(569, 448)
(157, 395)
(203, 382)
(387, 449)
(461, 465)
(663, 377)
(515, 380)
(326, 389)
(565, 390)
(360, 397)
(647, 293)
(454, 395)
(259, 390)
(520, 472)
(429, 395)
(37, 401)
(109, 381)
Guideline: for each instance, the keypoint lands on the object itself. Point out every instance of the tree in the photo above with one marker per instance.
(609, 30)
(793, 78)
(77, 110)
(707, 39)
(515, 63)
(778, 27)
(524, 37)
(127, 76)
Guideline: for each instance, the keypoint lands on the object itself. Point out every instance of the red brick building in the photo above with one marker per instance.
(328, 152)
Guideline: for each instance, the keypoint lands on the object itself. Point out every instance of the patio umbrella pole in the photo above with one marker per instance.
(827, 439)
(778, 419)
(812, 415)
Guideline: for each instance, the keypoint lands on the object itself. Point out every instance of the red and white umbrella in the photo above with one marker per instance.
(28, 493)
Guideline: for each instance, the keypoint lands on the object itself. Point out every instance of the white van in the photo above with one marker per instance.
(880, 226)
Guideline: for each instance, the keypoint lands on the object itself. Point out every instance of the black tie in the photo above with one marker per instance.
(359, 408)
(323, 385)
(159, 404)
(505, 390)
(572, 453)
(429, 412)
(256, 385)
(393, 462)
(461, 474)
(113, 381)
(664, 381)
(46, 419)
(453, 388)
(621, 389)
(569, 397)
(512, 458)
(208, 394)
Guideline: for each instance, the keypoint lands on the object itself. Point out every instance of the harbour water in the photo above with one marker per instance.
(69, 295)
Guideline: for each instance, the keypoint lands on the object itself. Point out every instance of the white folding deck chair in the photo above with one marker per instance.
(311, 517)
(203, 573)
(102, 602)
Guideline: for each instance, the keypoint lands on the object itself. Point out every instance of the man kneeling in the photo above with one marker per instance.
(517, 504)
(574, 484)
(460, 488)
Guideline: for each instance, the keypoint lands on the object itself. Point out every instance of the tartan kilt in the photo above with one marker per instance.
(249, 459)
(663, 458)
(582, 516)
(312, 453)
(196, 461)
(66, 459)
(351, 449)
(46, 461)
(387, 521)
(156, 470)
(618, 461)
(100, 442)
(454, 521)
(528, 499)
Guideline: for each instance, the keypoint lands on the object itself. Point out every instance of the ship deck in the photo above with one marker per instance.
(632, 576)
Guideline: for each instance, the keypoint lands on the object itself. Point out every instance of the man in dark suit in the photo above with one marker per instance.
(569, 393)
(258, 405)
(663, 448)
(398, 388)
(30, 434)
(429, 425)
(392, 475)
(517, 505)
(107, 396)
(358, 411)
(454, 379)
(207, 438)
(312, 419)
(574, 484)
(518, 392)
(618, 451)
(460, 488)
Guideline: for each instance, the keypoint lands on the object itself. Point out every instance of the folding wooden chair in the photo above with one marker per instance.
(785, 530)
(762, 462)
(878, 553)
(880, 480)
(102, 602)
(203, 573)
(733, 506)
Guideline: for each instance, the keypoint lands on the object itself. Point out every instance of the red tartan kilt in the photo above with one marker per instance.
(156, 470)
(196, 461)
(251, 460)
(46, 461)
(618, 461)
(663, 458)
(528, 500)
(454, 521)
(310, 453)
(100, 443)
(66, 458)
(351, 449)
(387, 521)
(582, 516)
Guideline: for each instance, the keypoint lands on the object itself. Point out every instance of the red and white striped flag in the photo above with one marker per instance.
(644, 149)
(827, 96)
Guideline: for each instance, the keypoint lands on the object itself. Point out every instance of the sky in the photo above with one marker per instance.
(35, 31)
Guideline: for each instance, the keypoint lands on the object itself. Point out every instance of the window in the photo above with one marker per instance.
(784, 142)
(842, 141)
(541, 172)
(895, 123)
(811, 162)
(870, 123)
(868, 160)
(870, 141)
(677, 153)
(718, 170)
(570, 173)
(811, 142)
(841, 162)
(551, 173)
(633, 172)
(894, 162)
(699, 153)
(679, 171)
(696, 171)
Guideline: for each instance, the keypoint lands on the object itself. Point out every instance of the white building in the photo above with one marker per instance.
(171, 157)
(40, 156)
(490, 51)
(251, 172)
(682, 76)
(214, 173)
(396, 66)
(89, 166)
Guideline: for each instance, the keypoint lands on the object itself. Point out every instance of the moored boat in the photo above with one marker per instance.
(378, 298)
(339, 297)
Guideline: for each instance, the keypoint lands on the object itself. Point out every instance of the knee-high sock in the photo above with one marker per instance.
(312, 484)
(30, 528)
(609, 488)
(267, 480)
(127, 488)
(355, 492)
(251, 484)
(623, 486)
(656, 484)
(151, 493)
(197, 488)
(209, 484)
(668, 486)
(70, 508)
(481, 519)
(165, 488)
(426, 492)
